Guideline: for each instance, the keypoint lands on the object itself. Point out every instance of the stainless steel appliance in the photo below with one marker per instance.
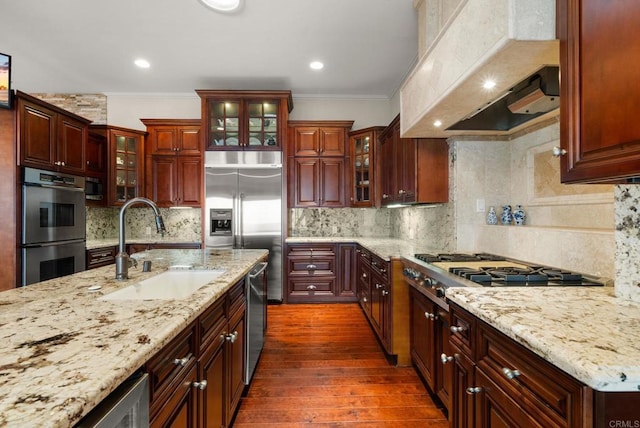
(126, 407)
(243, 207)
(53, 225)
(256, 292)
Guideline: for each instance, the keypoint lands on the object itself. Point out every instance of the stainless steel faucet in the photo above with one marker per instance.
(122, 258)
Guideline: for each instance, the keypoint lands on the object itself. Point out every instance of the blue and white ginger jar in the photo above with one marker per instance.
(492, 217)
(519, 215)
(506, 216)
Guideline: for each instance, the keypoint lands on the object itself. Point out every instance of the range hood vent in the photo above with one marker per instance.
(513, 43)
(535, 96)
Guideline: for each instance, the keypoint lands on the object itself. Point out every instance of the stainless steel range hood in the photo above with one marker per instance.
(509, 41)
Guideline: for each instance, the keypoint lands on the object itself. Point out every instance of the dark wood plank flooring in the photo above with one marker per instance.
(322, 366)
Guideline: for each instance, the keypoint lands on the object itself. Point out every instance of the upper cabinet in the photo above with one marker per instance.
(125, 158)
(245, 120)
(412, 170)
(317, 156)
(49, 137)
(599, 61)
(173, 164)
(364, 180)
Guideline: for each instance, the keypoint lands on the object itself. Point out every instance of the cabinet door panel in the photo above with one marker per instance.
(163, 140)
(163, 178)
(189, 181)
(423, 339)
(332, 142)
(304, 189)
(71, 138)
(180, 408)
(212, 369)
(236, 363)
(332, 189)
(37, 135)
(190, 140)
(305, 142)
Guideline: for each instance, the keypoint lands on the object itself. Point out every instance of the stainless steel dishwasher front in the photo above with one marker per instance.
(256, 292)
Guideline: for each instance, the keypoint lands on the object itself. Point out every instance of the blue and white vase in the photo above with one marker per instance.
(518, 215)
(506, 216)
(492, 217)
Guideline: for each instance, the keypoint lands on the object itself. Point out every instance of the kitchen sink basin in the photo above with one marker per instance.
(172, 284)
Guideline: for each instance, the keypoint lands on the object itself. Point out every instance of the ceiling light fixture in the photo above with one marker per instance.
(142, 63)
(437, 123)
(226, 6)
(489, 84)
(316, 65)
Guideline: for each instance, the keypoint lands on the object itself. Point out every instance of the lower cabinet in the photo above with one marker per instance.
(320, 273)
(430, 345)
(198, 378)
(500, 383)
(98, 257)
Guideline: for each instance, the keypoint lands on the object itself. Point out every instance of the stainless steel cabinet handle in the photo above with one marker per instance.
(401, 192)
(557, 152)
(232, 337)
(312, 267)
(429, 316)
(445, 359)
(456, 329)
(385, 196)
(385, 292)
(473, 390)
(181, 361)
(364, 275)
(379, 286)
(200, 385)
(510, 374)
(311, 287)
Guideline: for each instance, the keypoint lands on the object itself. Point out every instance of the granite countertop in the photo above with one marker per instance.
(153, 239)
(585, 331)
(382, 247)
(63, 350)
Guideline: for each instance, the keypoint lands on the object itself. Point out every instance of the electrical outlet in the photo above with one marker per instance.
(148, 231)
(480, 205)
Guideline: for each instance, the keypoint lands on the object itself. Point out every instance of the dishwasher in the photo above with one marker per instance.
(256, 292)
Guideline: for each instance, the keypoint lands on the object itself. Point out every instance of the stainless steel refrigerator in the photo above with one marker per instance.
(243, 207)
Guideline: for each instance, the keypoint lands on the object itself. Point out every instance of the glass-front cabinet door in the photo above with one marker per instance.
(126, 149)
(245, 120)
(362, 147)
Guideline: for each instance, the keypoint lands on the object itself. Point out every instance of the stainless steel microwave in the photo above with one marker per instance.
(94, 189)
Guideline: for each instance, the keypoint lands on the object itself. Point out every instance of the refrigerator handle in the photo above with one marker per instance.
(241, 218)
(234, 220)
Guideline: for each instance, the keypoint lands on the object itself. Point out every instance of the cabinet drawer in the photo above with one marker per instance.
(463, 326)
(318, 285)
(98, 257)
(171, 362)
(316, 266)
(212, 324)
(312, 250)
(542, 390)
(381, 266)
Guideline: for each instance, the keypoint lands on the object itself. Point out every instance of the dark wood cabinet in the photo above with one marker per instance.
(245, 120)
(142, 246)
(365, 184)
(173, 137)
(500, 383)
(599, 60)
(317, 159)
(413, 170)
(50, 138)
(173, 171)
(346, 284)
(198, 378)
(98, 257)
(10, 229)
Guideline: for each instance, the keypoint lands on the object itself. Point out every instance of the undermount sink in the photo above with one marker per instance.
(172, 284)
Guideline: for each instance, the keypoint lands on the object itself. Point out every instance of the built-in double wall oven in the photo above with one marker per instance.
(53, 225)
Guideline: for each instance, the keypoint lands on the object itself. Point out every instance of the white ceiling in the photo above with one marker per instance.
(88, 46)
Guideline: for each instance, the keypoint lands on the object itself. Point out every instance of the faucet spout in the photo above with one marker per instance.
(122, 258)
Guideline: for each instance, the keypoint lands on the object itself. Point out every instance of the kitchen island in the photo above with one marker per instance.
(64, 350)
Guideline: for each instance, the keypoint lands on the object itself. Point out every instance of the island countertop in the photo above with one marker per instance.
(63, 350)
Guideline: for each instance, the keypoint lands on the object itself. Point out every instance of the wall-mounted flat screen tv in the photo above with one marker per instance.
(5, 81)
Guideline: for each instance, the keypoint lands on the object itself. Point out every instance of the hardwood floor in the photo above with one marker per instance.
(322, 366)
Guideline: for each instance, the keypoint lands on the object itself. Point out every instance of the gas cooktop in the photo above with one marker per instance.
(490, 270)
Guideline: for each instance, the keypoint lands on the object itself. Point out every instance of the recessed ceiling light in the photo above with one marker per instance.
(489, 84)
(437, 124)
(316, 65)
(223, 5)
(142, 63)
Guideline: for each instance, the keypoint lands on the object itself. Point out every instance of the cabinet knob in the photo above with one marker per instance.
(312, 267)
(364, 275)
(456, 329)
(385, 196)
(401, 192)
(311, 287)
(510, 374)
(181, 361)
(430, 316)
(379, 286)
(232, 337)
(200, 385)
(473, 390)
(445, 359)
(558, 151)
(384, 292)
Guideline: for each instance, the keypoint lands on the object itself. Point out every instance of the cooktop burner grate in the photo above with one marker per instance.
(457, 257)
(491, 276)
